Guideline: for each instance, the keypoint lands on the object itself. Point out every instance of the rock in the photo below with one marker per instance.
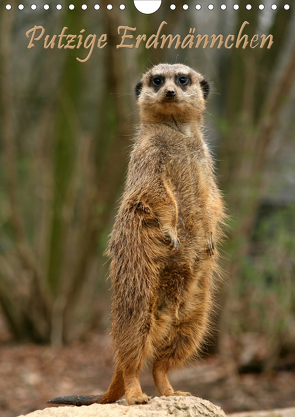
(157, 407)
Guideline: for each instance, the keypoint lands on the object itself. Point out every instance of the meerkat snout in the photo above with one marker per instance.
(170, 93)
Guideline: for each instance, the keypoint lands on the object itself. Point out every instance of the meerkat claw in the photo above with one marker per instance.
(141, 207)
(141, 399)
(174, 240)
(210, 245)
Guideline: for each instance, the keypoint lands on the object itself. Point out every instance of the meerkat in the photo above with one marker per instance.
(163, 244)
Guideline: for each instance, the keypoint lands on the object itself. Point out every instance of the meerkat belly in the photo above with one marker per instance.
(188, 269)
(176, 304)
(192, 212)
(178, 290)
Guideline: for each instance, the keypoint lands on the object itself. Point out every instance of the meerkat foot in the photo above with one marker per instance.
(140, 399)
(172, 393)
(181, 394)
(133, 392)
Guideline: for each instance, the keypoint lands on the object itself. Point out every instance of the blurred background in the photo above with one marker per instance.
(66, 130)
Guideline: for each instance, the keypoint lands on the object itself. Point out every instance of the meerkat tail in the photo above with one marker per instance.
(115, 391)
(76, 400)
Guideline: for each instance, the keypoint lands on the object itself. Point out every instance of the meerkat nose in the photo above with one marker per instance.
(170, 93)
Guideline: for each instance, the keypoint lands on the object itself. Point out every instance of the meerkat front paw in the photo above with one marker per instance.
(210, 245)
(140, 207)
(174, 239)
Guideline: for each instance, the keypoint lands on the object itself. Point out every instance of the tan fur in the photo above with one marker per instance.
(161, 247)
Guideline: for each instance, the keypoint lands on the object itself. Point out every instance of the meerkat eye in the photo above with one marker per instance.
(157, 81)
(183, 80)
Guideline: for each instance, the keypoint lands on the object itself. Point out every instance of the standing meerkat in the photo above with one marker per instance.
(163, 243)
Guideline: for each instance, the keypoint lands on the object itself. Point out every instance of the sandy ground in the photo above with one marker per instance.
(31, 374)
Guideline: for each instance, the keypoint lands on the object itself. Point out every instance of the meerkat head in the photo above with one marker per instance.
(172, 90)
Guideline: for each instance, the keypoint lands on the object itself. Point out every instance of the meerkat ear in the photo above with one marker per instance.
(138, 89)
(205, 87)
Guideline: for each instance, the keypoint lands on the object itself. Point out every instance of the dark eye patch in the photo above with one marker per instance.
(157, 81)
(183, 80)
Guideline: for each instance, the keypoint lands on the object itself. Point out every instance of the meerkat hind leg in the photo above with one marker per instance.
(133, 392)
(160, 375)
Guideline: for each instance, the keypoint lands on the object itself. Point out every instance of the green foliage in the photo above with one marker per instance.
(265, 291)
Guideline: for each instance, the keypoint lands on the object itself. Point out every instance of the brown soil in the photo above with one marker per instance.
(31, 374)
